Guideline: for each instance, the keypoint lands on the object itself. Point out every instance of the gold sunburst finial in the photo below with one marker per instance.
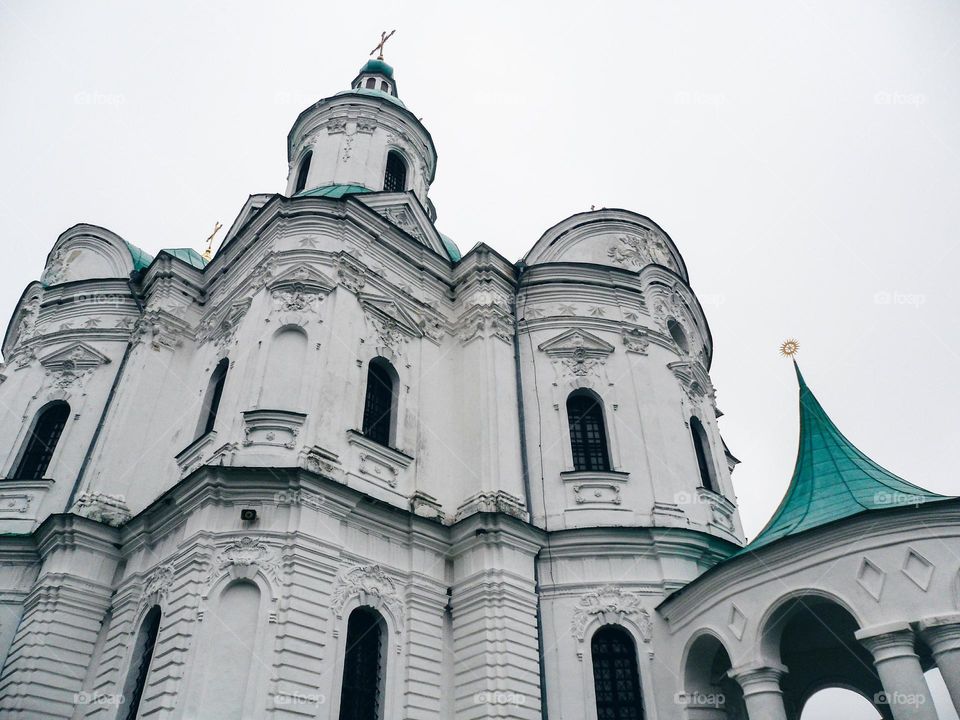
(208, 253)
(789, 348)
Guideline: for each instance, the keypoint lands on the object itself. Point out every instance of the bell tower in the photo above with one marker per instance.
(361, 140)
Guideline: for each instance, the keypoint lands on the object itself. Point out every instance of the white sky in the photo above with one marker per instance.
(803, 156)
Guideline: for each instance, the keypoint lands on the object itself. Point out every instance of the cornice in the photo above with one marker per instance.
(800, 552)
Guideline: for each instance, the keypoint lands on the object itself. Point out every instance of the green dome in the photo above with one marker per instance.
(377, 66)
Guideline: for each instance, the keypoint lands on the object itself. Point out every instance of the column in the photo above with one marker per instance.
(942, 635)
(900, 672)
(761, 690)
(57, 635)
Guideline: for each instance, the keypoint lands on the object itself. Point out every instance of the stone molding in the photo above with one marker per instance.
(609, 605)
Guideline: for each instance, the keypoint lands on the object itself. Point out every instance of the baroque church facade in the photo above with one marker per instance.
(340, 471)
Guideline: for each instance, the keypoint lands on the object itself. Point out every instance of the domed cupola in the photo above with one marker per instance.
(361, 140)
(376, 76)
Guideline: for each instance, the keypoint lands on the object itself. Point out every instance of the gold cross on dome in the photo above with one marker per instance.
(383, 41)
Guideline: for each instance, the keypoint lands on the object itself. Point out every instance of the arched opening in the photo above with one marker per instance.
(814, 637)
(364, 666)
(679, 336)
(42, 441)
(836, 702)
(701, 446)
(302, 171)
(281, 382)
(371, 83)
(588, 436)
(395, 178)
(616, 675)
(708, 689)
(379, 403)
(227, 652)
(140, 660)
(211, 399)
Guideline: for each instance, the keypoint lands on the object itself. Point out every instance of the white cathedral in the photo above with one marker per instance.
(340, 471)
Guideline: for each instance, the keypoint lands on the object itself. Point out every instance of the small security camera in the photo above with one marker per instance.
(248, 514)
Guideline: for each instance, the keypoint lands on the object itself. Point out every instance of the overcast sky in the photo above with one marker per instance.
(803, 156)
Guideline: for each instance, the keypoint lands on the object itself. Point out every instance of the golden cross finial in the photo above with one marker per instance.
(383, 41)
(208, 253)
(789, 348)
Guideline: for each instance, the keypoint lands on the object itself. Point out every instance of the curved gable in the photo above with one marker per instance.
(619, 238)
(89, 252)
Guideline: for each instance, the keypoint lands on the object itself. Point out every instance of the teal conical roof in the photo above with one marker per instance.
(832, 479)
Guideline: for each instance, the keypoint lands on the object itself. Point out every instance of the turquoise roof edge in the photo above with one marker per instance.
(187, 255)
(140, 258)
(832, 480)
(333, 191)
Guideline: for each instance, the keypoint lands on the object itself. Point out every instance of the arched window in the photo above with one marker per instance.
(379, 401)
(364, 666)
(211, 400)
(140, 664)
(42, 441)
(302, 171)
(678, 335)
(395, 179)
(702, 447)
(371, 83)
(588, 438)
(616, 677)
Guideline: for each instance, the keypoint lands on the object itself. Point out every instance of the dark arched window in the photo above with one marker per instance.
(678, 334)
(140, 664)
(702, 447)
(378, 404)
(302, 171)
(364, 666)
(42, 441)
(211, 400)
(588, 438)
(395, 179)
(616, 677)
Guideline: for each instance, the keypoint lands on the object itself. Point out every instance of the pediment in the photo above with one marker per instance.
(385, 309)
(303, 278)
(576, 342)
(693, 378)
(404, 212)
(77, 356)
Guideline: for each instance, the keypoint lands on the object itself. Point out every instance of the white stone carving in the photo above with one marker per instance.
(636, 340)
(101, 507)
(642, 248)
(610, 605)
(371, 586)
(248, 554)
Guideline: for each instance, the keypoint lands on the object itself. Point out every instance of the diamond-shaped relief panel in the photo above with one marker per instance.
(737, 622)
(871, 578)
(918, 569)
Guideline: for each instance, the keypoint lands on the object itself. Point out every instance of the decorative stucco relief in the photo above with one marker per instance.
(370, 585)
(609, 605)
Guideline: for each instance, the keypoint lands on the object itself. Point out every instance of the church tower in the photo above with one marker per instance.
(361, 139)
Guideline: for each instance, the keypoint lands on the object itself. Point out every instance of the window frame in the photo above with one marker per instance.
(383, 641)
(704, 455)
(600, 446)
(303, 170)
(404, 163)
(630, 643)
(27, 443)
(388, 437)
